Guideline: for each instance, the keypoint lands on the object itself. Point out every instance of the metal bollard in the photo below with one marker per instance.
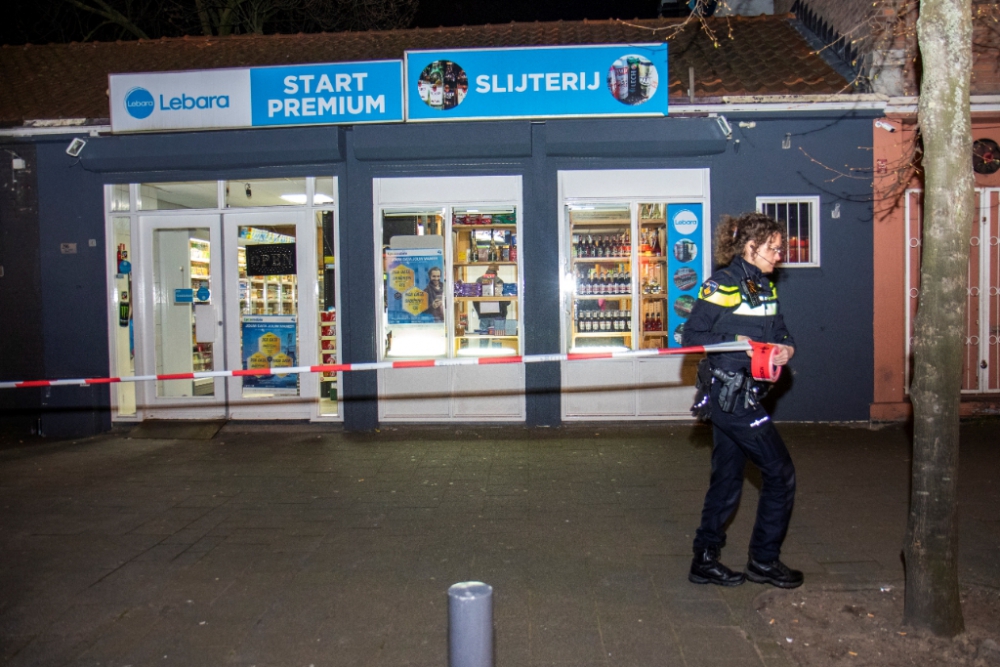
(470, 625)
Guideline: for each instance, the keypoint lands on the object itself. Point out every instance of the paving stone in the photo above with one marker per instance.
(338, 549)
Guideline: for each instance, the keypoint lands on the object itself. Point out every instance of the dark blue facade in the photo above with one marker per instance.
(829, 309)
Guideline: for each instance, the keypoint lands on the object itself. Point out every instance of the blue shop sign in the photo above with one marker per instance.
(537, 82)
(332, 93)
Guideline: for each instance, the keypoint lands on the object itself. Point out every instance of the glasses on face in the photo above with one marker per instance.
(776, 250)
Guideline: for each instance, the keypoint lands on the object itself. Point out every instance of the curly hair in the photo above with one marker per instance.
(733, 234)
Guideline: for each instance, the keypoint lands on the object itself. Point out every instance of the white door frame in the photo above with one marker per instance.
(303, 406)
(148, 294)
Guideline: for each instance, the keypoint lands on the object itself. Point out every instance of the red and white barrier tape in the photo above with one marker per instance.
(762, 360)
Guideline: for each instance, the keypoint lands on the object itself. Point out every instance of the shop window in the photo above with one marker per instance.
(268, 192)
(800, 217)
(323, 195)
(119, 198)
(413, 310)
(635, 276)
(176, 196)
(451, 282)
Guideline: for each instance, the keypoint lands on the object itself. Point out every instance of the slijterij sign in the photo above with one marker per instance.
(478, 84)
(545, 82)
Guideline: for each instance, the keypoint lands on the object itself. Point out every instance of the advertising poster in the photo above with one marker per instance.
(685, 259)
(415, 285)
(539, 82)
(269, 342)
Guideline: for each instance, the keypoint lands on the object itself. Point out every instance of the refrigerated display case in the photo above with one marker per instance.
(612, 305)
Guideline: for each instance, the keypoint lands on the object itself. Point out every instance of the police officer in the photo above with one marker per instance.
(739, 302)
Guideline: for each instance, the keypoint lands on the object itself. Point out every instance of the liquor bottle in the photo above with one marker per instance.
(657, 250)
(575, 245)
(658, 323)
(647, 323)
(513, 247)
(450, 86)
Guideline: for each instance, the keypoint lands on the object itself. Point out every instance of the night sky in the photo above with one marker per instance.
(433, 13)
(45, 21)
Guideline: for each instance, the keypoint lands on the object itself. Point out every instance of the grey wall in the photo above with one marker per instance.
(829, 309)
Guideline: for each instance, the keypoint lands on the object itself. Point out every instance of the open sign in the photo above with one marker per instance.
(277, 259)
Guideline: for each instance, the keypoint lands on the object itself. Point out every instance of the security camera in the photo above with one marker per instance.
(75, 147)
(885, 126)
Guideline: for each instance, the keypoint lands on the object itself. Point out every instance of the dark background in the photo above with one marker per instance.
(48, 21)
(433, 13)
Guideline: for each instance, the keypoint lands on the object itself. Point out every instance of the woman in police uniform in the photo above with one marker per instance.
(739, 302)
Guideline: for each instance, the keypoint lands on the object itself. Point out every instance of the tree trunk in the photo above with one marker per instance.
(944, 31)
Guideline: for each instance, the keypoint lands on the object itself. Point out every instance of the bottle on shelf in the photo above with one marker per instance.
(656, 250)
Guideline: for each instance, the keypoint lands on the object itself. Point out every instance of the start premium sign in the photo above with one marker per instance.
(553, 82)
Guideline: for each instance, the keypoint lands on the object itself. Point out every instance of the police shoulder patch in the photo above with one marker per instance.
(708, 288)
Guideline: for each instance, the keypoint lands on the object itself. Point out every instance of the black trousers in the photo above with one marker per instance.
(740, 435)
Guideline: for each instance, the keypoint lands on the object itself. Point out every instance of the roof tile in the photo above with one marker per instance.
(762, 56)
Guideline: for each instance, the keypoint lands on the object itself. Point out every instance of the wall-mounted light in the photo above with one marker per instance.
(249, 192)
(724, 125)
(76, 147)
(883, 125)
(786, 143)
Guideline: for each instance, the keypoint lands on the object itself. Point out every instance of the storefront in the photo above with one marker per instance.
(252, 245)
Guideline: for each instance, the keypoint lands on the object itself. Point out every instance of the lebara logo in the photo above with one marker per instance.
(139, 103)
(685, 222)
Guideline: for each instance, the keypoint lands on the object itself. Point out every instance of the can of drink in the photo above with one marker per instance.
(633, 77)
(621, 80)
(645, 78)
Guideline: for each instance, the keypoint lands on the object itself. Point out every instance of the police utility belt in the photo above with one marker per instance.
(735, 386)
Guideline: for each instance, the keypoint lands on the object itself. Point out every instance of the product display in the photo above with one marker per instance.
(621, 287)
(485, 281)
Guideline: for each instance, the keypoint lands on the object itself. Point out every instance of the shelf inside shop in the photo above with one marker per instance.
(654, 334)
(497, 263)
(603, 334)
(649, 222)
(606, 297)
(624, 259)
(620, 221)
(504, 226)
(652, 259)
(654, 297)
(486, 298)
(485, 336)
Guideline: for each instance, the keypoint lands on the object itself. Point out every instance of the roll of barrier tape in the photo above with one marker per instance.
(762, 365)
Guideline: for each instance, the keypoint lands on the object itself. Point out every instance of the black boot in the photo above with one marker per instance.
(706, 569)
(775, 573)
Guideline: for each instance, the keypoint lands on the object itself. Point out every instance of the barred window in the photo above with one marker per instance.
(800, 216)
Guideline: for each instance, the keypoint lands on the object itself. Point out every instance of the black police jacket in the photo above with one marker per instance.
(722, 313)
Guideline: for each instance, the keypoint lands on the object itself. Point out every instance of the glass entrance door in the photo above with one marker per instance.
(269, 326)
(223, 293)
(180, 308)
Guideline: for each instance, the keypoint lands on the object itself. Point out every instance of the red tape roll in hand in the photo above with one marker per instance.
(762, 365)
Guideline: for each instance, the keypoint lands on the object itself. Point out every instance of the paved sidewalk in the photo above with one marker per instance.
(299, 545)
